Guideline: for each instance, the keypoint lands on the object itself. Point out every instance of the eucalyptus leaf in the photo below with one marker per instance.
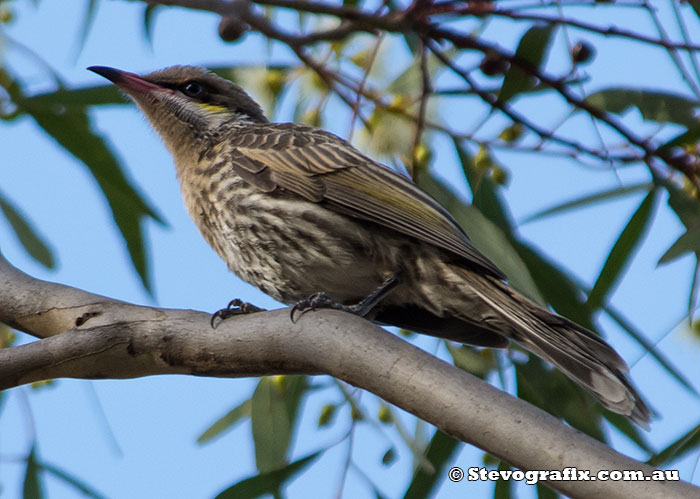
(590, 199)
(226, 422)
(532, 50)
(486, 236)
(622, 252)
(71, 128)
(662, 107)
(439, 453)
(274, 409)
(32, 488)
(688, 442)
(32, 242)
(268, 483)
(686, 243)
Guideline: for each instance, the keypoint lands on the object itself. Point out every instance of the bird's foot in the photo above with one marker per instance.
(319, 300)
(362, 308)
(235, 307)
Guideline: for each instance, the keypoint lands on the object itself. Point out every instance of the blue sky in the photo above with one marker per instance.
(156, 420)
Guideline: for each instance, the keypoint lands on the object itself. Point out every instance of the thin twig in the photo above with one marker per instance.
(426, 89)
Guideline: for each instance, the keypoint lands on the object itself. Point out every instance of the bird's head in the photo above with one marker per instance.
(185, 105)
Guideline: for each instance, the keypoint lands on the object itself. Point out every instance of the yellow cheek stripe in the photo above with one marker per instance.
(211, 108)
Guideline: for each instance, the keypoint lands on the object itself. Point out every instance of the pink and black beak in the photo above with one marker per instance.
(130, 83)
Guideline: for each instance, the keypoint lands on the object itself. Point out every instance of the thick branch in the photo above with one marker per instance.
(104, 338)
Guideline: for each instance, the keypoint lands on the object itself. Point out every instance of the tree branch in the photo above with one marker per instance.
(90, 336)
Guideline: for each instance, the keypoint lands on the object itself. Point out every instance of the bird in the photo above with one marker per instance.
(313, 222)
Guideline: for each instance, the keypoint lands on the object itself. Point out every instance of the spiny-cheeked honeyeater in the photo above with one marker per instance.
(300, 213)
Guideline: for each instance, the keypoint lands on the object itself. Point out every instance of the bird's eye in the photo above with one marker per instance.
(193, 89)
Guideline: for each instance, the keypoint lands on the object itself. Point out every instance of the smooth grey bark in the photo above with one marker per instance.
(83, 335)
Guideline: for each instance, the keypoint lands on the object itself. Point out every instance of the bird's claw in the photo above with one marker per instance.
(313, 302)
(234, 307)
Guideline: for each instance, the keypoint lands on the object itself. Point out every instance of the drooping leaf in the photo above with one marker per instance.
(544, 492)
(625, 324)
(688, 138)
(274, 409)
(689, 442)
(503, 488)
(686, 243)
(477, 362)
(622, 252)
(552, 391)
(557, 286)
(226, 422)
(439, 453)
(484, 192)
(662, 107)
(686, 208)
(629, 429)
(696, 6)
(485, 235)
(66, 99)
(590, 199)
(72, 130)
(32, 481)
(267, 483)
(71, 480)
(149, 17)
(90, 10)
(532, 50)
(410, 81)
(693, 295)
(32, 242)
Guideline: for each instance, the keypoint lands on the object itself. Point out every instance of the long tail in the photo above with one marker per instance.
(577, 352)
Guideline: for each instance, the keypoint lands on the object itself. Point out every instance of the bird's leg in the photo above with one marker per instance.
(362, 308)
(235, 307)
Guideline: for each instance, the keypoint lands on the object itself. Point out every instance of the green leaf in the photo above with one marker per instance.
(269, 482)
(90, 10)
(32, 481)
(149, 20)
(683, 140)
(503, 488)
(557, 286)
(471, 360)
(686, 208)
(532, 50)
(688, 242)
(71, 480)
(410, 81)
(485, 195)
(27, 235)
(662, 107)
(696, 6)
(629, 429)
(63, 99)
(589, 199)
(485, 235)
(226, 422)
(544, 492)
(274, 410)
(649, 347)
(72, 130)
(689, 442)
(622, 252)
(550, 390)
(440, 452)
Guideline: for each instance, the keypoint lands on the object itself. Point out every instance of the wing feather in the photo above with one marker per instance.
(322, 167)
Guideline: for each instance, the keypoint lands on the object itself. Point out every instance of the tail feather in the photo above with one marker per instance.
(577, 352)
